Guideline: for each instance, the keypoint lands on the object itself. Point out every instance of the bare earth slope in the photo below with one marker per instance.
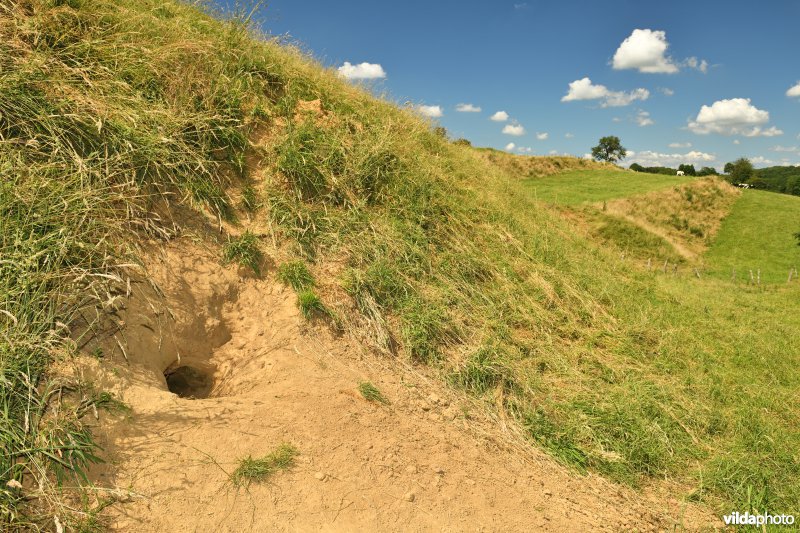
(426, 462)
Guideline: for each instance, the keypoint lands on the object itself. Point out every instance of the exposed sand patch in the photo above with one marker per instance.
(429, 461)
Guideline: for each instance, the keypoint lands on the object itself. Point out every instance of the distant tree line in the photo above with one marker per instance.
(689, 170)
(782, 179)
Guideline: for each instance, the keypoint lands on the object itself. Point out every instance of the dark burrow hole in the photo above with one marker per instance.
(189, 382)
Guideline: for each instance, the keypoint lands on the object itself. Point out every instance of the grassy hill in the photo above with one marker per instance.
(124, 122)
(579, 186)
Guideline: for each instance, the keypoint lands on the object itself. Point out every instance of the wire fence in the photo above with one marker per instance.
(748, 275)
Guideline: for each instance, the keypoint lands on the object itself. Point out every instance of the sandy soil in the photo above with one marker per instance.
(429, 461)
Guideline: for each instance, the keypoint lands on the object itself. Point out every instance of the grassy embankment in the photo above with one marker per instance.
(114, 112)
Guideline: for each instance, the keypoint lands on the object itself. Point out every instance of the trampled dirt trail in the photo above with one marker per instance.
(429, 461)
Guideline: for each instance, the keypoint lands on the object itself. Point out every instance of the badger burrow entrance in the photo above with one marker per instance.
(191, 381)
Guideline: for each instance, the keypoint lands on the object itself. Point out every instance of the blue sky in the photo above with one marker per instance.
(651, 67)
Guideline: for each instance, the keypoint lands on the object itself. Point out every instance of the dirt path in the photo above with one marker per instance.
(429, 461)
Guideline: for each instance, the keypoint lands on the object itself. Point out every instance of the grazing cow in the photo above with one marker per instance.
(680, 173)
(744, 185)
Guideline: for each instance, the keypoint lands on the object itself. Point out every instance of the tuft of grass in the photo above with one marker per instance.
(250, 199)
(424, 330)
(371, 393)
(296, 275)
(261, 113)
(483, 371)
(309, 303)
(245, 251)
(254, 470)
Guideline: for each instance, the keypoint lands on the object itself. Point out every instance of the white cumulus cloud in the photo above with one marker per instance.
(666, 91)
(500, 116)
(760, 160)
(514, 129)
(643, 119)
(680, 145)
(362, 71)
(542, 136)
(584, 89)
(432, 111)
(619, 99)
(736, 116)
(510, 146)
(697, 64)
(650, 158)
(467, 108)
(785, 149)
(794, 92)
(569, 135)
(645, 51)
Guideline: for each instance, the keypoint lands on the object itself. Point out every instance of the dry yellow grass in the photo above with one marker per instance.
(538, 166)
(687, 216)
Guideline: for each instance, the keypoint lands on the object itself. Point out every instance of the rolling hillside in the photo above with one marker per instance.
(250, 281)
